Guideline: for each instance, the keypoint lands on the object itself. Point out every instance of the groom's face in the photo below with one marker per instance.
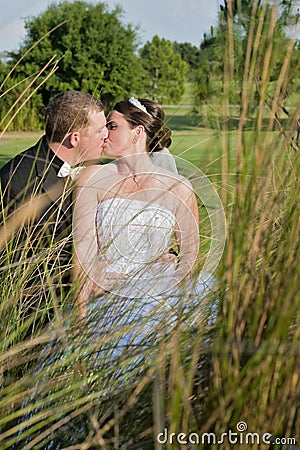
(92, 138)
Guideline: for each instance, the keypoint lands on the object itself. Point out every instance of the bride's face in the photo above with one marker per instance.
(120, 136)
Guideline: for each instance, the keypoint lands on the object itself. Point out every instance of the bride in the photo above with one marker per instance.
(136, 228)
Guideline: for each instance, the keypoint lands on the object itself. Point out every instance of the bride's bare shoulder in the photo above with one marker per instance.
(96, 173)
(175, 180)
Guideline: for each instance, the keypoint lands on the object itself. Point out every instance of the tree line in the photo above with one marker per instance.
(86, 47)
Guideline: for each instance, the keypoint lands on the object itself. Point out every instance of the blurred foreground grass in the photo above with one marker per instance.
(62, 389)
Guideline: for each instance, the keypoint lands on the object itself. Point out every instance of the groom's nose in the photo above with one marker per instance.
(105, 133)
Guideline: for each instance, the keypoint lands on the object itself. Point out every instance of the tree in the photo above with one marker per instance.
(223, 53)
(94, 50)
(190, 54)
(209, 69)
(163, 71)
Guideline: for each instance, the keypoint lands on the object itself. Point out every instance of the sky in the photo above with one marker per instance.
(176, 20)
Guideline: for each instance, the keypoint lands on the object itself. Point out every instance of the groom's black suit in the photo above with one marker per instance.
(29, 175)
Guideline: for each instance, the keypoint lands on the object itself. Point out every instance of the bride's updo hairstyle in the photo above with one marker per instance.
(150, 114)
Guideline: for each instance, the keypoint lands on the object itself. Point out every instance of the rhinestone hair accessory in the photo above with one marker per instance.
(137, 103)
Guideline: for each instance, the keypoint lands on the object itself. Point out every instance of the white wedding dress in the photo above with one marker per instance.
(133, 236)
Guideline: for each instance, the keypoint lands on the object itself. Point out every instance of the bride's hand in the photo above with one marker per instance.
(170, 258)
(109, 280)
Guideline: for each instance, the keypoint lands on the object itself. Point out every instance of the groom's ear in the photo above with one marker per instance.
(74, 138)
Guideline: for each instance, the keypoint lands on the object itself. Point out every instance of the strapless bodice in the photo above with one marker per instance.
(132, 233)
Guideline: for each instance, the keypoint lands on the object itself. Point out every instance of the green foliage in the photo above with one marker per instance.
(191, 55)
(19, 107)
(188, 52)
(248, 34)
(163, 77)
(3, 70)
(88, 48)
(209, 69)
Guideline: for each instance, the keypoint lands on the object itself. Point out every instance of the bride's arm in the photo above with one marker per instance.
(88, 271)
(85, 239)
(85, 288)
(93, 184)
(187, 233)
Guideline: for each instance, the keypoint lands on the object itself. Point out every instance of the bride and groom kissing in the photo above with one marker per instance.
(127, 229)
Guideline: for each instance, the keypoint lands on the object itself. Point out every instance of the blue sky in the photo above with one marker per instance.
(177, 20)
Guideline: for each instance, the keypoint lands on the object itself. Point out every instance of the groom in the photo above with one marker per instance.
(75, 133)
(36, 200)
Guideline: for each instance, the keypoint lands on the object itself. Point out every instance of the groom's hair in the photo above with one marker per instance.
(69, 111)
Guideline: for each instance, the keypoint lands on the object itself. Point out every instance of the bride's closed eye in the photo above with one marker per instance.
(111, 126)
